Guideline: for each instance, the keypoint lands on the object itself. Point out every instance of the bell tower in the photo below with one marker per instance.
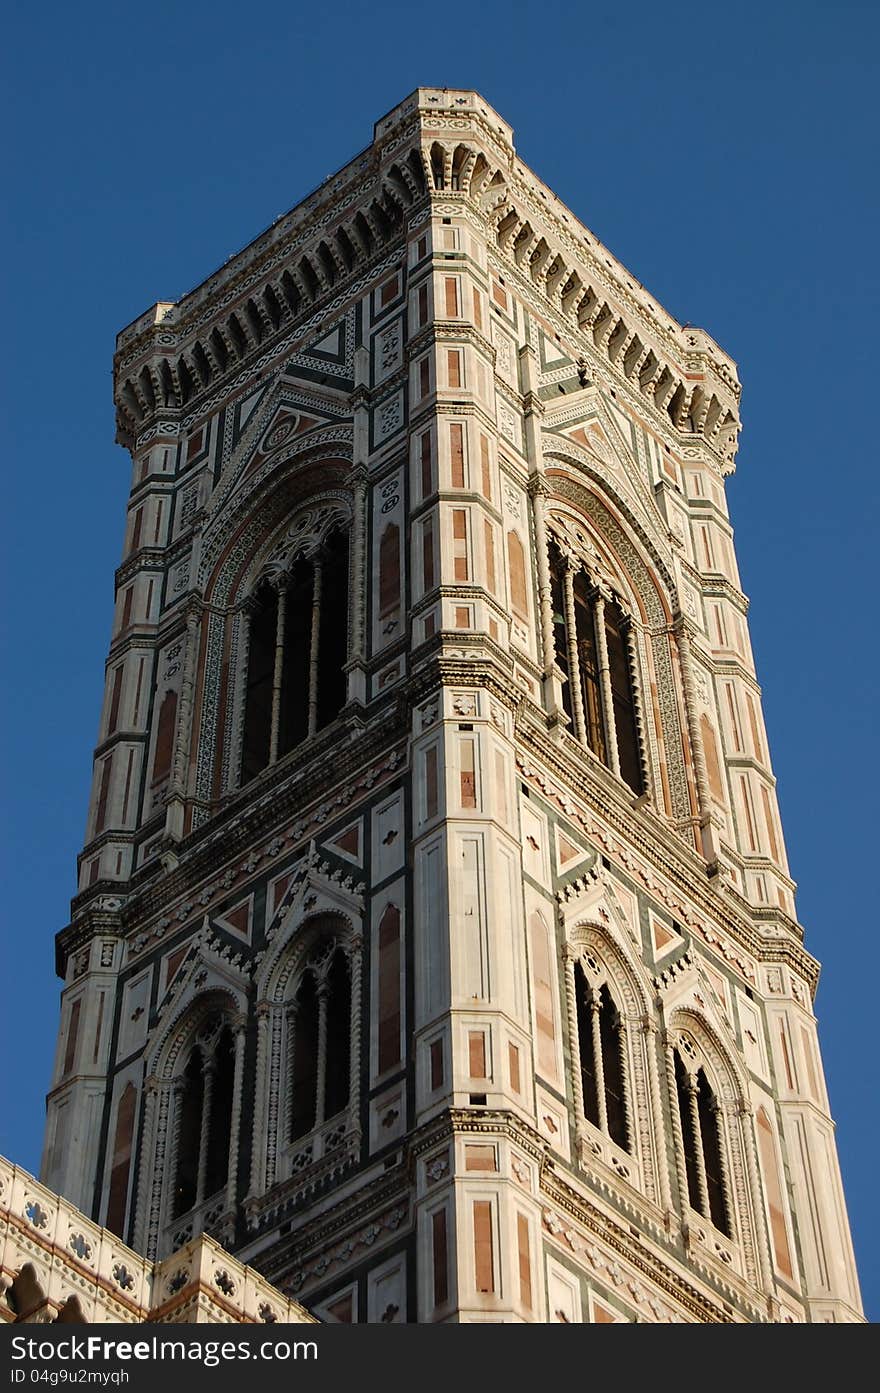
(434, 946)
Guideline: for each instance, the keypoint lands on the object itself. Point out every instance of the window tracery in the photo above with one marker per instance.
(308, 1055)
(614, 1075)
(593, 646)
(297, 618)
(204, 1092)
(702, 1139)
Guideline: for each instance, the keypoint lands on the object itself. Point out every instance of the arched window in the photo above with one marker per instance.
(702, 1139)
(205, 1094)
(591, 639)
(319, 1043)
(602, 1060)
(297, 650)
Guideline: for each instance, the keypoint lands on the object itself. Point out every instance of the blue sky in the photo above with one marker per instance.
(727, 155)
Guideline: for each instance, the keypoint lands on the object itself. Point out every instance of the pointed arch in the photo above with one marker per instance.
(715, 1144)
(613, 1079)
(308, 1051)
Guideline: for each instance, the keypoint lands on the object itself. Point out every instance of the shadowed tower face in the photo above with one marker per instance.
(434, 946)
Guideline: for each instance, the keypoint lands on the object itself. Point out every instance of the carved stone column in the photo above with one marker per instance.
(539, 492)
(321, 1071)
(605, 683)
(574, 662)
(240, 1025)
(577, 1086)
(172, 1150)
(357, 640)
(598, 1065)
(677, 1135)
(207, 1094)
(146, 1173)
(746, 1120)
(355, 964)
(697, 1133)
(635, 686)
(258, 1144)
(285, 1117)
(701, 776)
(649, 1034)
(174, 817)
(241, 681)
(315, 644)
(161, 1183)
(629, 1121)
(278, 669)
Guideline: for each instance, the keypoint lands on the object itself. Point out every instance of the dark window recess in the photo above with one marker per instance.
(596, 719)
(624, 709)
(701, 1138)
(607, 1074)
(711, 1140)
(258, 696)
(312, 676)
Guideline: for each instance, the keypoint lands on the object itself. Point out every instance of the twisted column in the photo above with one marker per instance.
(649, 1031)
(286, 1102)
(235, 1122)
(539, 491)
(574, 662)
(628, 1114)
(207, 1093)
(577, 1084)
(258, 1149)
(697, 1133)
(598, 1065)
(678, 1136)
(701, 775)
(605, 683)
(747, 1133)
(635, 686)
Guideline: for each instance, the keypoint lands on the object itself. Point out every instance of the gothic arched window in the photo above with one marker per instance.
(591, 639)
(702, 1140)
(297, 650)
(601, 1051)
(319, 1043)
(204, 1118)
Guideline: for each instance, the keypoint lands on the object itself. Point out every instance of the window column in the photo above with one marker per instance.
(314, 645)
(238, 1083)
(285, 1122)
(570, 957)
(259, 1155)
(207, 1090)
(354, 968)
(627, 629)
(321, 1072)
(605, 687)
(278, 670)
(240, 708)
(598, 1062)
(574, 664)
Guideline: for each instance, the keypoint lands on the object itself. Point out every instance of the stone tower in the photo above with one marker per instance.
(434, 947)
